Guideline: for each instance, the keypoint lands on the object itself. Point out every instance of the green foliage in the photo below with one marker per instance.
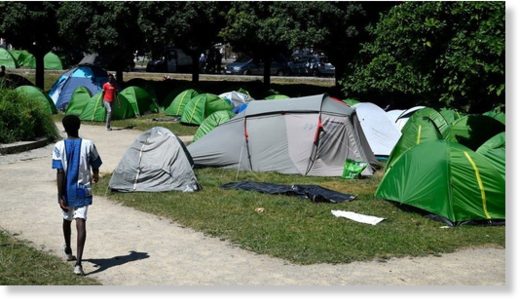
(435, 53)
(107, 28)
(23, 119)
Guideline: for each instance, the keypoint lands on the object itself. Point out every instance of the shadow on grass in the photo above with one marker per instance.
(104, 264)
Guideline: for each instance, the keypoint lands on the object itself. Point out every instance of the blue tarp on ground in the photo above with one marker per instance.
(312, 192)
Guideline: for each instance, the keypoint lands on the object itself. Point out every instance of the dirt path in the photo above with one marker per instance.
(128, 247)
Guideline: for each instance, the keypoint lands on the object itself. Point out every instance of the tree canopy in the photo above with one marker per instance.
(107, 28)
(439, 54)
(31, 26)
(436, 54)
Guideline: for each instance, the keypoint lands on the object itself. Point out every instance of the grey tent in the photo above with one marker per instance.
(156, 161)
(313, 135)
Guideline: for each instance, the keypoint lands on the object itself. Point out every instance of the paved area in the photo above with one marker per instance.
(128, 247)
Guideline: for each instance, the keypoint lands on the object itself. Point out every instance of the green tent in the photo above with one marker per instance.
(351, 102)
(474, 130)
(423, 126)
(94, 111)
(498, 115)
(79, 100)
(133, 101)
(212, 121)
(448, 180)
(52, 61)
(178, 101)
(36, 94)
(7, 59)
(201, 106)
(451, 115)
(495, 150)
(26, 59)
(277, 97)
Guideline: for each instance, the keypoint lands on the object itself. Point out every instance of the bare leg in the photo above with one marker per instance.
(82, 237)
(66, 234)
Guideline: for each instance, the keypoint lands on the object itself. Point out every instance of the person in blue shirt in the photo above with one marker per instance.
(77, 163)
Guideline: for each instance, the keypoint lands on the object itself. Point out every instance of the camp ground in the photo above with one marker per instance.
(315, 135)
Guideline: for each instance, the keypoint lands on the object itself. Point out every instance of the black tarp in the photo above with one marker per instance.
(312, 192)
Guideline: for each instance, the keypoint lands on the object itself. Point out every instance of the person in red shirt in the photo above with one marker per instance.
(109, 96)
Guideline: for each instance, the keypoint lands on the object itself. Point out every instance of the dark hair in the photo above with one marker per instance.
(71, 123)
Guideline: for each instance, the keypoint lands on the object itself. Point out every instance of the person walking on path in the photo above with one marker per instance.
(74, 158)
(109, 95)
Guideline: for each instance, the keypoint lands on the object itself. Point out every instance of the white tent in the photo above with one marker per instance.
(381, 133)
(401, 120)
(236, 98)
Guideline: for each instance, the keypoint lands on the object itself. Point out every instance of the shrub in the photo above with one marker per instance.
(23, 119)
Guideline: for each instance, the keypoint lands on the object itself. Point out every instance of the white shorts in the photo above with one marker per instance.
(75, 213)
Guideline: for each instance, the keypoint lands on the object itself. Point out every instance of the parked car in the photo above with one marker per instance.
(175, 60)
(248, 66)
(321, 66)
(311, 65)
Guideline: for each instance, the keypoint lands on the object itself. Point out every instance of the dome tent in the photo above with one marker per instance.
(157, 161)
(236, 98)
(7, 59)
(381, 133)
(36, 94)
(212, 121)
(402, 119)
(79, 100)
(89, 76)
(94, 110)
(133, 101)
(446, 179)
(176, 107)
(25, 59)
(313, 135)
(424, 125)
(495, 150)
(474, 130)
(450, 115)
(201, 106)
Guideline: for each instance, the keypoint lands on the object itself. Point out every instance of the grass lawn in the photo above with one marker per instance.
(21, 264)
(299, 230)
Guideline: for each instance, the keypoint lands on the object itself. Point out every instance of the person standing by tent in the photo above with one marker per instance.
(109, 95)
(74, 158)
(2, 71)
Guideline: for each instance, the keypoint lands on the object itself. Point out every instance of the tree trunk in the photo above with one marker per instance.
(195, 68)
(40, 70)
(338, 74)
(267, 71)
(119, 75)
